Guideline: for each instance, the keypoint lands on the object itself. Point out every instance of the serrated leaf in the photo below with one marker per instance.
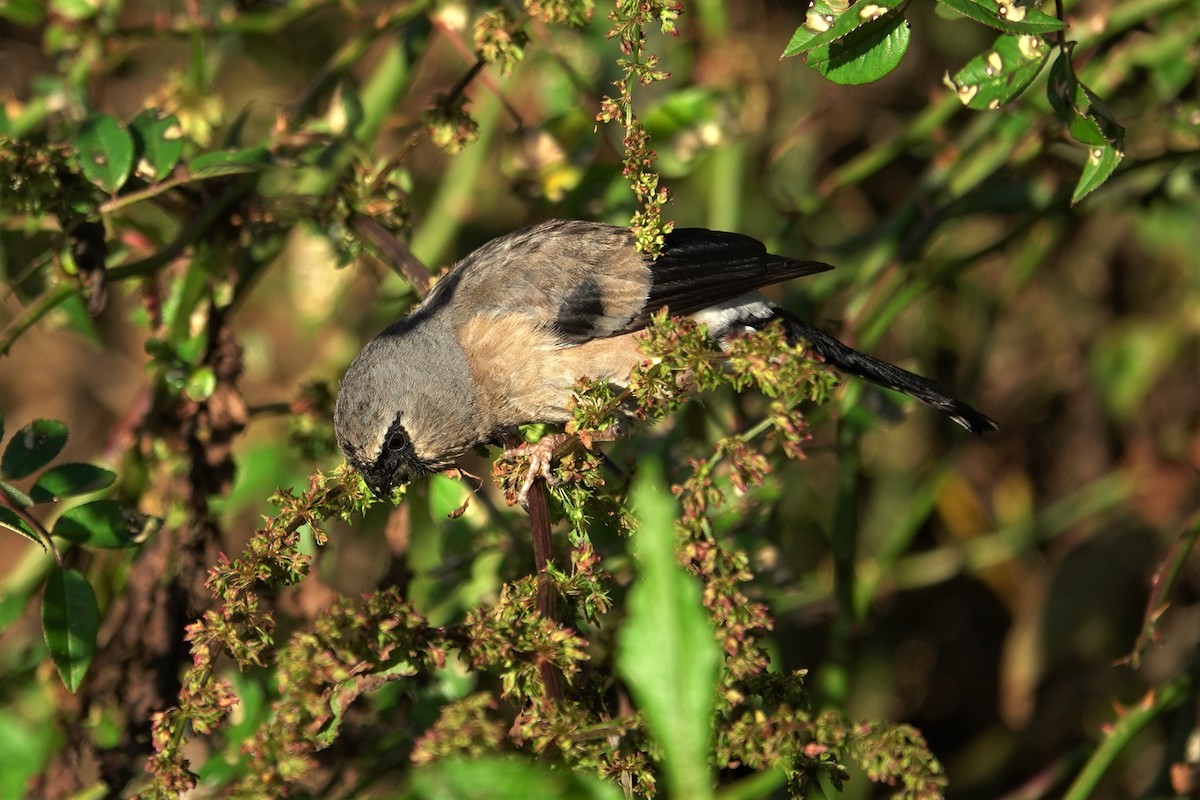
(825, 24)
(68, 480)
(1007, 16)
(866, 55)
(1102, 161)
(159, 141)
(11, 520)
(992, 79)
(229, 162)
(70, 620)
(1088, 119)
(33, 447)
(105, 152)
(106, 524)
(667, 651)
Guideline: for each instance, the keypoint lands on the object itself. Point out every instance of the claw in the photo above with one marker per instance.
(541, 455)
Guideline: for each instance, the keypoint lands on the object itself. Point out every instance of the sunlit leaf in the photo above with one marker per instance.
(1007, 15)
(667, 651)
(870, 52)
(992, 79)
(1101, 162)
(825, 24)
(70, 620)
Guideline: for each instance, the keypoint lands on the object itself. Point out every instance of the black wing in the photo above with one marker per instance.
(699, 268)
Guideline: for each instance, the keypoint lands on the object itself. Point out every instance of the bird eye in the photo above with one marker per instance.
(397, 440)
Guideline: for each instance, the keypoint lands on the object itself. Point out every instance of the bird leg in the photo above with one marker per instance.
(541, 455)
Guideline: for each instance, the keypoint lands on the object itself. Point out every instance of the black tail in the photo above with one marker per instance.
(847, 359)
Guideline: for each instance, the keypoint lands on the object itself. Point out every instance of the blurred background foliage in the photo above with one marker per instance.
(983, 590)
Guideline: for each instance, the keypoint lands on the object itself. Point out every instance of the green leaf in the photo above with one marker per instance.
(159, 141)
(70, 620)
(446, 496)
(866, 55)
(1101, 163)
(1090, 122)
(67, 480)
(992, 79)
(667, 651)
(105, 152)
(33, 447)
(23, 12)
(229, 162)
(74, 10)
(1087, 117)
(107, 524)
(201, 384)
(1009, 17)
(493, 778)
(16, 495)
(824, 24)
(10, 519)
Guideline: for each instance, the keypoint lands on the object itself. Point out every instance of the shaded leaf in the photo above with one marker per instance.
(1088, 119)
(992, 79)
(1007, 16)
(70, 620)
(107, 524)
(505, 779)
(229, 162)
(11, 520)
(33, 447)
(67, 480)
(16, 495)
(159, 141)
(667, 651)
(23, 12)
(105, 152)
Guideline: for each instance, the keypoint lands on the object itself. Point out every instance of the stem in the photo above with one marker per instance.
(51, 299)
(547, 597)
(1123, 730)
(836, 680)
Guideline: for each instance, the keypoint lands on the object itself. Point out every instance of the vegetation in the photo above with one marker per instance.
(775, 585)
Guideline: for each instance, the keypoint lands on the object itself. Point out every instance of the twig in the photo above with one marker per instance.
(394, 253)
(547, 596)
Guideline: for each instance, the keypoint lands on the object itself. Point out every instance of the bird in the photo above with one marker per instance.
(505, 334)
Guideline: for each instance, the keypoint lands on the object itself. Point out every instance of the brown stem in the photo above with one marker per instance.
(547, 596)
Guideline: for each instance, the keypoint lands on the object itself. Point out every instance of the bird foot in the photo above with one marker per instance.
(541, 455)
